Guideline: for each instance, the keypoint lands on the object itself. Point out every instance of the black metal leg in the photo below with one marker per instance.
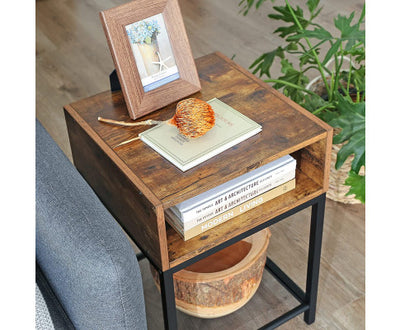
(168, 299)
(114, 81)
(314, 255)
(140, 256)
(308, 299)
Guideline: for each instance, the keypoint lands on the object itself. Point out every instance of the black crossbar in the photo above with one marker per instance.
(285, 317)
(285, 280)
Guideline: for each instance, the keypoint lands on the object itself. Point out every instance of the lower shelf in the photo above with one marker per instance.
(180, 250)
(223, 282)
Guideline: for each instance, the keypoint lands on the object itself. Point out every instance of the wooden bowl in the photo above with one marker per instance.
(223, 282)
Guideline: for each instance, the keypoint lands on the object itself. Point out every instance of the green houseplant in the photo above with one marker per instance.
(341, 71)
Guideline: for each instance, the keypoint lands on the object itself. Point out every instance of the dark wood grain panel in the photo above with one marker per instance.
(311, 161)
(140, 218)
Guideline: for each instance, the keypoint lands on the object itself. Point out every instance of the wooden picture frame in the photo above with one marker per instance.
(145, 90)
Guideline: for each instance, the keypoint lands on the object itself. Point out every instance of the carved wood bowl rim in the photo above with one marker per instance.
(259, 244)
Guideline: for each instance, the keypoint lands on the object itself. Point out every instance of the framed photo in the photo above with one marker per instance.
(151, 53)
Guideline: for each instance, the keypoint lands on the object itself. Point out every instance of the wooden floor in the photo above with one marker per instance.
(73, 62)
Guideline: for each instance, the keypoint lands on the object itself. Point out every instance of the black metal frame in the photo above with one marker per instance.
(114, 81)
(307, 299)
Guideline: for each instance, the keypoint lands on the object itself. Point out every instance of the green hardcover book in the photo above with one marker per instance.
(231, 127)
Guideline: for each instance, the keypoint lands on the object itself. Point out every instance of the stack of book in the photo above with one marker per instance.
(222, 203)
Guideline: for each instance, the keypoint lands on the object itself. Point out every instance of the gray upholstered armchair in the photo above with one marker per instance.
(88, 275)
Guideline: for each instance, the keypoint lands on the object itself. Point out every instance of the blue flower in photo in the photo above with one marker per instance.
(143, 32)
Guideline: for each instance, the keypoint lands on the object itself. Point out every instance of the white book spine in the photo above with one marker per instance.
(229, 214)
(265, 183)
(220, 202)
(222, 199)
(237, 210)
(212, 194)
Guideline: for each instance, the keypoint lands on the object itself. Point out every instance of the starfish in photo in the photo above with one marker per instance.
(161, 62)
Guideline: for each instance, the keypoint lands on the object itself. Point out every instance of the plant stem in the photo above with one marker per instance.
(310, 67)
(278, 81)
(349, 76)
(321, 70)
(335, 77)
(317, 111)
(344, 89)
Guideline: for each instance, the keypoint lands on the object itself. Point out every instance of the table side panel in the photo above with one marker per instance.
(311, 160)
(142, 220)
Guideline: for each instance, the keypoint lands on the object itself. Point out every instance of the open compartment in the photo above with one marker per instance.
(311, 164)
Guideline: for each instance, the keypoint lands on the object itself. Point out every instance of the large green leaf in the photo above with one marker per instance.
(351, 33)
(351, 121)
(285, 15)
(264, 62)
(284, 31)
(313, 102)
(357, 185)
(355, 146)
(317, 33)
(312, 5)
(293, 76)
(342, 23)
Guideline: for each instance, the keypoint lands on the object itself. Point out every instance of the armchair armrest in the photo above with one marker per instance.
(84, 254)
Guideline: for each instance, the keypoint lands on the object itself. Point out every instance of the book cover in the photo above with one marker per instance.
(231, 127)
(175, 223)
(238, 196)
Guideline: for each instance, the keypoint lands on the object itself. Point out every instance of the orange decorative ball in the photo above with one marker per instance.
(193, 117)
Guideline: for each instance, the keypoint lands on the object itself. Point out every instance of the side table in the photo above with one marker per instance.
(137, 185)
